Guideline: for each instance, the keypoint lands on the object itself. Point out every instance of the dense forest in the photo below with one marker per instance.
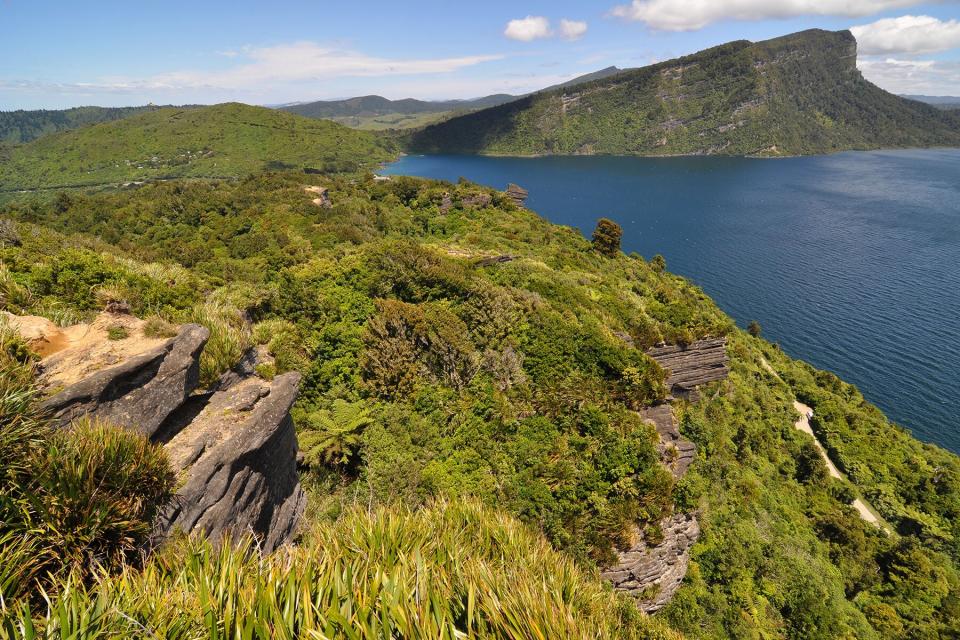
(471, 380)
(17, 127)
(799, 94)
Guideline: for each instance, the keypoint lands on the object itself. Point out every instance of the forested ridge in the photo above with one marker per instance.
(798, 94)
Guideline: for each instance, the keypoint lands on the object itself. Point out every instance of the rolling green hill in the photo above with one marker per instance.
(798, 94)
(17, 127)
(224, 141)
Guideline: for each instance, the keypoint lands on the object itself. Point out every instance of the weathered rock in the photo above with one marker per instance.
(692, 365)
(495, 260)
(238, 458)
(653, 573)
(676, 452)
(323, 196)
(134, 385)
(517, 193)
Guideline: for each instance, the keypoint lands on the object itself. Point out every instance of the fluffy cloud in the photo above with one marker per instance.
(687, 15)
(909, 35)
(261, 68)
(925, 77)
(572, 29)
(528, 29)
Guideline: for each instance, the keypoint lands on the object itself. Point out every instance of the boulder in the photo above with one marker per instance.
(133, 382)
(237, 457)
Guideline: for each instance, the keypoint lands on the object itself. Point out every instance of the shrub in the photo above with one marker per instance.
(606, 237)
(157, 327)
(754, 329)
(117, 333)
(658, 263)
(101, 488)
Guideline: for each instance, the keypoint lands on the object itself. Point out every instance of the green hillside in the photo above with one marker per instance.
(799, 94)
(432, 374)
(226, 140)
(379, 113)
(17, 127)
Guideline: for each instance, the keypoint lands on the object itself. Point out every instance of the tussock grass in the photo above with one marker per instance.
(451, 570)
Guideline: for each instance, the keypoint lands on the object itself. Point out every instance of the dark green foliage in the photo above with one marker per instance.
(23, 126)
(658, 263)
(754, 329)
(606, 237)
(798, 94)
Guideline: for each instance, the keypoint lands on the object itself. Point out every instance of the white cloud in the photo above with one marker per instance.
(925, 77)
(572, 29)
(688, 15)
(909, 35)
(264, 68)
(527, 29)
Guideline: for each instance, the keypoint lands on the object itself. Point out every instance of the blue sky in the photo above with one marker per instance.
(61, 54)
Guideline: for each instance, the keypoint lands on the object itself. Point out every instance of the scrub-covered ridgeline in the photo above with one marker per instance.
(433, 371)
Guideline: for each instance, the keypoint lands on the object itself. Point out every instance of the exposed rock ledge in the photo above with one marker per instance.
(239, 456)
(235, 449)
(692, 365)
(653, 573)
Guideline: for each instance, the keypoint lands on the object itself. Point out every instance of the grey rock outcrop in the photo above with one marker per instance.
(138, 393)
(238, 456)
(692, 365)
(234, 446)
(676, 453)
(653, 573)
(517, 193)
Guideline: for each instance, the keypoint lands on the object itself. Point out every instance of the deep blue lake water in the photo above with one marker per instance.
(851, 262)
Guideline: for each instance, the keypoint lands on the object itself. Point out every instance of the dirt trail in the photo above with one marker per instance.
(803, 424)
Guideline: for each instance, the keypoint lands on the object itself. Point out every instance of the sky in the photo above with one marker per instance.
(62, 54)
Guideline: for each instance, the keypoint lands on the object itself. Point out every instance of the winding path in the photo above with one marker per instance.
(803, 424)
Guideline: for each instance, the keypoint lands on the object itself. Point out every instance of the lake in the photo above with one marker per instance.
(851, 262)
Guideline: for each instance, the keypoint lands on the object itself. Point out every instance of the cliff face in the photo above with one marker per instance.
(234, 449)
(797, 94)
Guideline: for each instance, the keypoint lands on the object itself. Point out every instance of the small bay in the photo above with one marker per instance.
(849, 261)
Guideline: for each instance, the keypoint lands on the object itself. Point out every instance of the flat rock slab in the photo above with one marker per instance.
(133, 382)
(238, 460)
(654, 573)
(692, 365)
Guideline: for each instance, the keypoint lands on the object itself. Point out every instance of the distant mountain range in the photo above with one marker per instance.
(941, 102)
(799, 94)
(373, 106)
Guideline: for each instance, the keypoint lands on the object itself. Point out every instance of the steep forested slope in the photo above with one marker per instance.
(456, 346)
(227, 140)
(792, 95)
(21, 126)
